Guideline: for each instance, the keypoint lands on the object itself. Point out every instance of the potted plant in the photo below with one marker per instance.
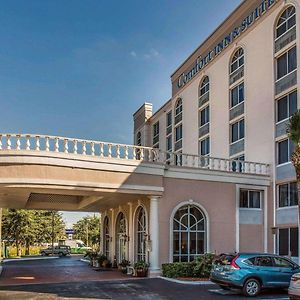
(100, 259)
(141, 268)
(106, 263)
(123, 265)
(92, 255)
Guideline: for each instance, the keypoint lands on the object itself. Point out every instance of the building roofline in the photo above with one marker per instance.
(145, 103)
(207, 39)
(164, 105)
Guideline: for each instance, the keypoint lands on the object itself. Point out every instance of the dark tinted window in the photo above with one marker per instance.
(294, 241)
(264, 261)
(282, 263)
(284, 241)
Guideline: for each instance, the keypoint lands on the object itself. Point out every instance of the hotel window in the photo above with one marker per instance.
(189, 234)
(237, 60)
(178, 133)
(205, 147)
(139, 139)
(286, 106)
(286, 63)
(285, 149)
(288, 241)
(178, 111)
(169, 143)
(156, 135)
(237, 95)
(288, 194)
(204, 116)
(237, 131)
(286, 21)
(204, 87)
(250, 199)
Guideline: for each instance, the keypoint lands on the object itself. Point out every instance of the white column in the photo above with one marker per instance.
(154, 237)
(112, 235)
(130, 234)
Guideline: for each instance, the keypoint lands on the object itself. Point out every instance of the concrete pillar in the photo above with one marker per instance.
(112, 235)
(154, 237)
(130, 234)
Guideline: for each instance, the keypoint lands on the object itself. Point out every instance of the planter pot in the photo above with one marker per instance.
(141, 273)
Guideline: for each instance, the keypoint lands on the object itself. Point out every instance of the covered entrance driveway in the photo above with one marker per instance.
(53, 270)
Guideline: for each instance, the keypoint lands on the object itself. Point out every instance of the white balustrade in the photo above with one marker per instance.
(128, 152)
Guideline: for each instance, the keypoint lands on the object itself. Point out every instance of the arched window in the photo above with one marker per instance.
(189, 233)
(237, 60)
(178, 107)
(141, 234)
(106, 238)
(204, 87)
(121, 237)
(286, 21)
(139, 139)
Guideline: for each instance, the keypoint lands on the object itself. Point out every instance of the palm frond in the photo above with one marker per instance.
(293, 128)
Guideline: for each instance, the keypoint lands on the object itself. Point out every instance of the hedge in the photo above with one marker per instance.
(201, 267)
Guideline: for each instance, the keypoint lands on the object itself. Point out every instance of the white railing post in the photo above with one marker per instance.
(118, 151)
(109, 150)
(47, 144)
(18, 142)
(0, 141)
(101, 150)
(84, 147)
(27, 142)
(66, 146)
(37, 143)
(75, 146)
(8, 141)
(56, 145)
(134, 153)
(126, 152)
(93, 148)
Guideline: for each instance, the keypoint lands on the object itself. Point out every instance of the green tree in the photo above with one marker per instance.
(293, 131)
(27, 227)
(87, 229)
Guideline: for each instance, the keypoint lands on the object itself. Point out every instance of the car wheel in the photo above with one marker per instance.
(251, 287)
(60, 254)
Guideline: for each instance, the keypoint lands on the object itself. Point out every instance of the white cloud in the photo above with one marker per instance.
(133, 54)
(151, 54)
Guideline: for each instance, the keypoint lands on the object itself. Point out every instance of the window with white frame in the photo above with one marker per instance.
(287, 194)
(189, 233)
(288, 241)
(286, 106)
(286, 63)
(178, 111)
(178, 133)
(169, 119)
(286, 21)
(204, 116)
(237, 60)
(237, 130)
(250, 199)
(169, 143)
(141, 234)
(156, 134)
(205, 147)
(285, 149)
(204, 87)
(106, 239)
(237, 95)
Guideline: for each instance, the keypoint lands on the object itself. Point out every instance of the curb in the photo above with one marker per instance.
(208, 282)
(27, 258)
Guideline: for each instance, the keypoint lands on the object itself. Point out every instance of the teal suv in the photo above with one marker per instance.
(252, 272)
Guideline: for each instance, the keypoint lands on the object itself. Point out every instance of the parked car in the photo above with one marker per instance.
(252, 272)
(294, 288)
(57, 250)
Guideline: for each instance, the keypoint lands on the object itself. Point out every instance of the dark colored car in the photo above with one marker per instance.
(57, 250)
(252, 272)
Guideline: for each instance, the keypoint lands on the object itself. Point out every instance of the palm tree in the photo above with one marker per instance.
(293, 131)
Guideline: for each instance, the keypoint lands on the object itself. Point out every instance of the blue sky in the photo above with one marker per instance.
(82, 68)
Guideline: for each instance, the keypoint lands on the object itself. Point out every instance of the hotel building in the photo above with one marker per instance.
(231, 99)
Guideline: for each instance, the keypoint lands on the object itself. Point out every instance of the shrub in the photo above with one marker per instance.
(201, 267)
(178, 269)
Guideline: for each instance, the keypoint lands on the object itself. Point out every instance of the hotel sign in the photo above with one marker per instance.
(201, 62)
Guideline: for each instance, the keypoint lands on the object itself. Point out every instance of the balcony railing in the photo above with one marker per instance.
(56, 144)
